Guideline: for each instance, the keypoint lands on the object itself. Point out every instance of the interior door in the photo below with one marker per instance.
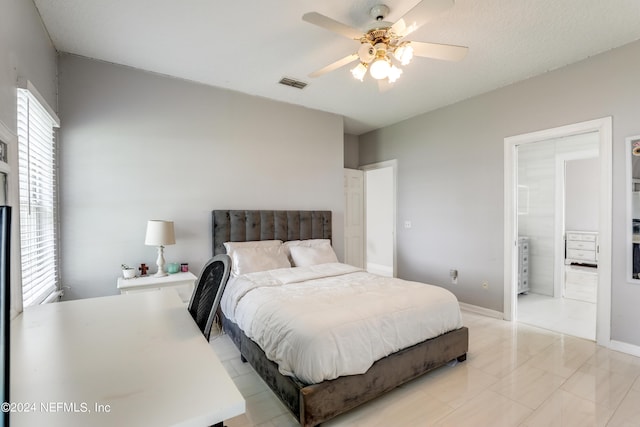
(354, 217)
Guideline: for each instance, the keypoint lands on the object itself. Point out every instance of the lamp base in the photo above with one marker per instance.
(160, 263)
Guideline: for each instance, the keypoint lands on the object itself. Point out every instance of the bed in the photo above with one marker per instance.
(312, 401)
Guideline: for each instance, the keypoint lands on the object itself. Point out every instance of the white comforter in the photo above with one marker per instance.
(321, 322)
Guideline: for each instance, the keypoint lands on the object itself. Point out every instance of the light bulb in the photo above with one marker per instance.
(379, 69)
(394, 73)
(359, 71)
(404, 54)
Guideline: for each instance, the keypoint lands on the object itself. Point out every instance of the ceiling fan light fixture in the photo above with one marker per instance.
(394, 73)
(383, 47)
(379, 68)
(359, 71)
(366, 52)
(404, 53)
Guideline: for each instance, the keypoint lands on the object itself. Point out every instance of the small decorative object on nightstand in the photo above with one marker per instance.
(143, 269)
(128, 272)
(160, 233)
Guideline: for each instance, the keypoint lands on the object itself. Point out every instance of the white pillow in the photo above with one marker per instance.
(310, 243)
(250, 260)
(304, 256)
(232, 246)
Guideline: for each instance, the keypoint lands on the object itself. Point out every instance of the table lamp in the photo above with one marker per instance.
(160, 233)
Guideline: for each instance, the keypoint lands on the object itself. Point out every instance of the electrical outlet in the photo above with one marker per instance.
(485, 284)
(454, 276)
(407, 224)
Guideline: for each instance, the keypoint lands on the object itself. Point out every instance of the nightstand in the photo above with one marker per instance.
(182, 282)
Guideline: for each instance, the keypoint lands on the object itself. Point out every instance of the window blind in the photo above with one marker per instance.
(38, 198)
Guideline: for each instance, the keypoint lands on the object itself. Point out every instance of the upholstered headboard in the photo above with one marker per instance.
(242, 226)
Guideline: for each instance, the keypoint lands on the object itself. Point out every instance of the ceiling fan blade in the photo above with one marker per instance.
(327, 23)
(334, 66)
(447, 52)
(420, 14)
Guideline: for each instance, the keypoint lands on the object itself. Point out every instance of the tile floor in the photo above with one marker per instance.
(574, 315)
(515, 375)
(565, 315)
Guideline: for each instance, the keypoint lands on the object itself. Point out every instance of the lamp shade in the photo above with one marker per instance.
(159, 233)
(359, 71)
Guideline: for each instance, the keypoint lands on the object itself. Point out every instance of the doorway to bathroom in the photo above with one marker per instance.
(558, 185)
(558, 229)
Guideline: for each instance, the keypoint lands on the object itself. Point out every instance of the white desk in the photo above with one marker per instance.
(139, 358)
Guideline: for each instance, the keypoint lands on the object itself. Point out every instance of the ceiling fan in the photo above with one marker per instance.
(383, 45)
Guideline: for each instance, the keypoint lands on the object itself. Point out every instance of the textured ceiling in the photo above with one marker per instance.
(248, 46)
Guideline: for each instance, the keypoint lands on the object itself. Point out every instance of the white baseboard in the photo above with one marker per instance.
(481, 310)
(624, 347)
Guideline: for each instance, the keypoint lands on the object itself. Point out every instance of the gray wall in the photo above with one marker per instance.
(138, 146)
(450, 175)
(351, 154)
(26, 52)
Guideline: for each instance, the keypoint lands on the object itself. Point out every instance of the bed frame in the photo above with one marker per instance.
(316, 403)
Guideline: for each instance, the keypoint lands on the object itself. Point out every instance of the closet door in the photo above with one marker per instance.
(354, 217)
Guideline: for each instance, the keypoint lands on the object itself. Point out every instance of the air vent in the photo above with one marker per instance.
(292, 82)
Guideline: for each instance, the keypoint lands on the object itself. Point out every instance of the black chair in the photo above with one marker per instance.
(208, 291)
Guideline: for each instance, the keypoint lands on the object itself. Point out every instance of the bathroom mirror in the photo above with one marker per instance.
(633, 208)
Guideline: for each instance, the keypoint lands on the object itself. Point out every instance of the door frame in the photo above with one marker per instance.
(381, 165)
(604, 128)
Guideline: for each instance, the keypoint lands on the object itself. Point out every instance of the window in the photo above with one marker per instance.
(38, 213)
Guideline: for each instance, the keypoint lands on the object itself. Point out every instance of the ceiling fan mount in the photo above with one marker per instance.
(379, 12)
(383, 45)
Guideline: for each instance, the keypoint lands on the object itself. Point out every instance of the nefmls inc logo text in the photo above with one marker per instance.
(67, 407)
